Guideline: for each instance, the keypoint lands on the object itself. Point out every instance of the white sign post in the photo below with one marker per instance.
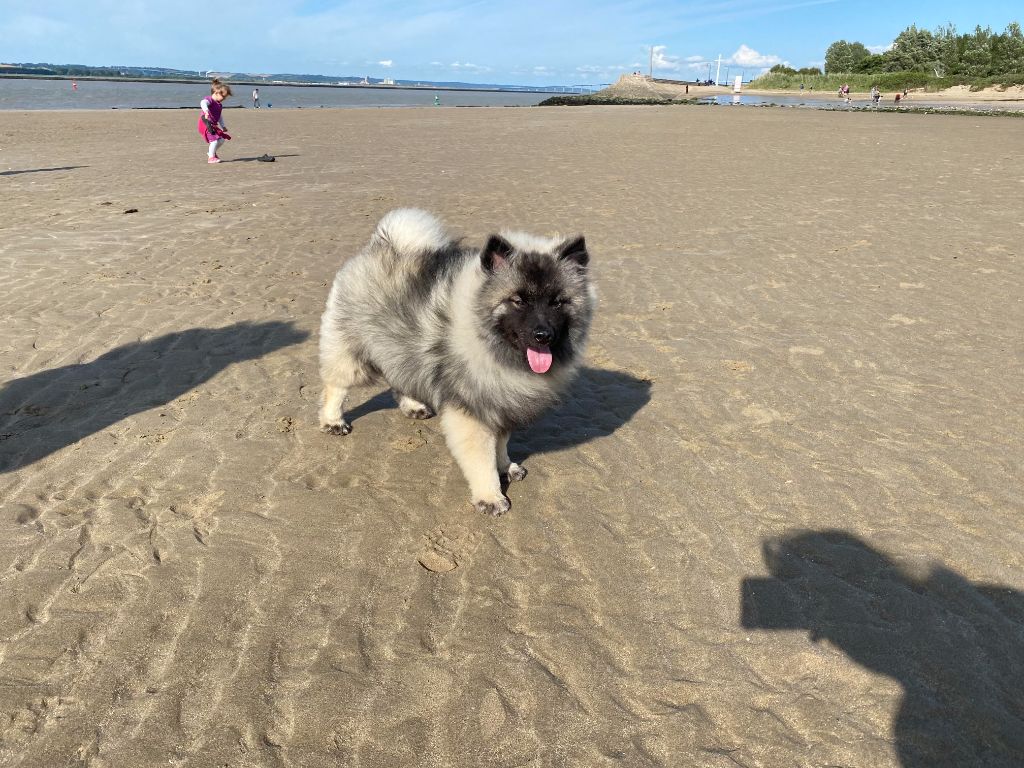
(737, 85)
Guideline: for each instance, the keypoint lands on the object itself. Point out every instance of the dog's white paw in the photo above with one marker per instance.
(494, 507)
(414, 409)
(516, 472)
(420, 412)
(336, 427)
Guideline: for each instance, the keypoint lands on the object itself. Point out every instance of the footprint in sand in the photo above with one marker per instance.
(447, 548)
(410, 443)
(438, 561)
(25, 514)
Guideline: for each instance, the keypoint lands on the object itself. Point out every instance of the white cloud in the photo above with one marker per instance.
(663, 60)
(747, 57)
(465, 66)
(694, 59)
(386, 63)
(876, 49)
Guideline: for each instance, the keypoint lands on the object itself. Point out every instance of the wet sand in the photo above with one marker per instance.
(777, 523)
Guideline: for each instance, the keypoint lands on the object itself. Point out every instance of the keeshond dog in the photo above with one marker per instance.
(487, 338)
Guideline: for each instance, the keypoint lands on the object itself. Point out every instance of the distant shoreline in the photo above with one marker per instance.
(641, 86)
(641, 90)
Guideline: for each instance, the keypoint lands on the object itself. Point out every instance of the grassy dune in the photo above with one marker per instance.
(886, 81)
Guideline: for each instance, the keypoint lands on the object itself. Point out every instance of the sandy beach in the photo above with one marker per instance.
(961, 96)
(1011, 97)
(777, 523)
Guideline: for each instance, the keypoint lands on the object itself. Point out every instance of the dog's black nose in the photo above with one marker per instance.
(543, 336)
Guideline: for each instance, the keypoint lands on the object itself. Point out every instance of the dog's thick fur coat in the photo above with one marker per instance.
(486, 338)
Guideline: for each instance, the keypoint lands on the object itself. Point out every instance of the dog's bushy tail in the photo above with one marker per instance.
(406, 232)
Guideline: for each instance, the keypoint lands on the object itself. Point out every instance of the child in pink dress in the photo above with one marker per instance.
(211, 124)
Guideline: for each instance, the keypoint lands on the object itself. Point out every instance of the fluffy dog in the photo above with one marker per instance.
(486, 338)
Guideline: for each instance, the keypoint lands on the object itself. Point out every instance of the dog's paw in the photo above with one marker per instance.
(414, 409)
(515, 472)
(421, 412)
(493, 508)
(336, 428)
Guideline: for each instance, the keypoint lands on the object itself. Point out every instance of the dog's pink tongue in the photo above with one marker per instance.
(539, 359)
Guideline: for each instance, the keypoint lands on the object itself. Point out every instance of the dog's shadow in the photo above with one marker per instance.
(46, 411)
(598, 403)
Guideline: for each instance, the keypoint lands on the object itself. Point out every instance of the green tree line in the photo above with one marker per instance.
(942, 53)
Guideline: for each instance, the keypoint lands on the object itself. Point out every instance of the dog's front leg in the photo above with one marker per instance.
(506, 466)
(474, 447)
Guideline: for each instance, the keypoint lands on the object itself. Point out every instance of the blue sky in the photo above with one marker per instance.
(525, 42)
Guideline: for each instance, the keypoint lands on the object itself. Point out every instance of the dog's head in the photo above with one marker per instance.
(537, 299)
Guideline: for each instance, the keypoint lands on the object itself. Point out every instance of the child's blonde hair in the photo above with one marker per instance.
(216, 86)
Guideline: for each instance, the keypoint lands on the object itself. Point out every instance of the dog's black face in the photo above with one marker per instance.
(538, 304)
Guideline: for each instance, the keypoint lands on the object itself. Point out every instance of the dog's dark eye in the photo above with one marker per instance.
(516, 301)
(559, 301)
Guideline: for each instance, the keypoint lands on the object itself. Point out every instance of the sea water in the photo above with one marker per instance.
(16, 93)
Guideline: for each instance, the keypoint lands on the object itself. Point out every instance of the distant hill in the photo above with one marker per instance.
(162, 73)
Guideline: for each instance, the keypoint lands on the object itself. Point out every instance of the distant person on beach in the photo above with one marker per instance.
(876, 95)
(211, 124)
(898, 97)
(255, 98)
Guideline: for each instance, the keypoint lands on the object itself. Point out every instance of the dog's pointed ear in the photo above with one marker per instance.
(575, 250)
(496, 253)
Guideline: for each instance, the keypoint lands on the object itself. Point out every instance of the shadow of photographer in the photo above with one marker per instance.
(956, 647)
